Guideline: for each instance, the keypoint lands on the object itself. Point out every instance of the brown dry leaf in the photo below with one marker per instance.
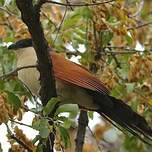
(150, 102)
(142, 34)
(19, 115)
(19, 27)
(58, 142)
(146, 87)
(109, 78)
(2, 32)
(141, 109)
(147, 64)
(53, 12)
(143, 99)
(6, 111)
(99, 15)
(118, 40)
(99, 130)
(22, 137)
(130, 97)
(120, 2)
(120, 14)
(17, 148)
(89, 148)
(135, 68)
(121, 30)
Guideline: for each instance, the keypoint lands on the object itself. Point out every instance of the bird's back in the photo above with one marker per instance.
(75, 74)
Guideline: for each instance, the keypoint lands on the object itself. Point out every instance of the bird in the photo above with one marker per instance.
(76, 85)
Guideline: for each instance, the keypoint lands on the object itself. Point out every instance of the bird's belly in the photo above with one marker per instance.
(67, 92)
(30, 77)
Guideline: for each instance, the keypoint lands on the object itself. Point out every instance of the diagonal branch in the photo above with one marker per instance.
(14, 72)
(80, 4)
(31, 17)
(20, 142)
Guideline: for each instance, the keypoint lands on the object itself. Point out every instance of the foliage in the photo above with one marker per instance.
(112, 35)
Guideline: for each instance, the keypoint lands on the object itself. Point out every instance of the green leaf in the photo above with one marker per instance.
(2, 84)
(70, 108)
(2, 2)
(106, 37)
(130, 87)
(64, 136)
(85, 12)
(36, 139)
(129, 39)
(50, 106)
(45, 128)
(71, 21)
(13, 100)
(90, 114)
(68, 123)
(118, 91)
(36, 125)
(39, 148)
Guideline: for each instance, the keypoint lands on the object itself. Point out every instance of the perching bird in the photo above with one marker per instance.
(75, 84)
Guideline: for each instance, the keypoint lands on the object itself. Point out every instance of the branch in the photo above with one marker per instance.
(82, 124)
(50, 21)
(39, 5)
(107, 52)
(69, 5)
(14, 72)
(78, 5)
(60, 26)
(140, 26)
(20, 142)
(20, 123)
(93, 135)
(11, 135)
(31, 17)
(7, 11)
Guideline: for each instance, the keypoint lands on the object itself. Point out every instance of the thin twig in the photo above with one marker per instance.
(20, 123)
(14, 72)
(45, 15)
(94, 139)
(20, 142)
(11, 135)
(95, 38)
(78, 5)
(30, 92)
(132, 28)
(69, 5)
(27, 109)
(77, 53)
(60, 24)
(140, 26)
(5, 10)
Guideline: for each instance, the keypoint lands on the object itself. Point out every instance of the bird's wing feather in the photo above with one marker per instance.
(75, 74)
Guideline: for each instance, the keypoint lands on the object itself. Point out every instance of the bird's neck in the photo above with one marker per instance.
(26, 56)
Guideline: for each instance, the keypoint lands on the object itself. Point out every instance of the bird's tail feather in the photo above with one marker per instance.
(123, 117)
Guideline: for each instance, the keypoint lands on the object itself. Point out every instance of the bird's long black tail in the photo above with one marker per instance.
(122, 116)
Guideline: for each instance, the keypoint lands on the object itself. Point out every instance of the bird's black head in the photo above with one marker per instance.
(21, 44)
